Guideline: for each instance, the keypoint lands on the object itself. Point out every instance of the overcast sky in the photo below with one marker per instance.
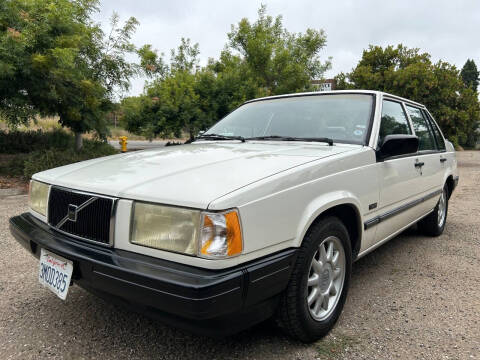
(448, 30)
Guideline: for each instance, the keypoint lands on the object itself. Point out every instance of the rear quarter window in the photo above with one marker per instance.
(436, 132)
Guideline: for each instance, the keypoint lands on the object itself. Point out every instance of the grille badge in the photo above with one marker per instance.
(73, 210)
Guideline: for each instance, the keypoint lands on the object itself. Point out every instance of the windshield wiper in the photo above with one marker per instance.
(220, 137)
(292, 138)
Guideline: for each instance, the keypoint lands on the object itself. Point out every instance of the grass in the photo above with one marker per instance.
(116, 132)
(51, 124)
(334, 346)
(42, 123)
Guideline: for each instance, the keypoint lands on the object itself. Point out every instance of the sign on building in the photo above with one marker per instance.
(324, 85)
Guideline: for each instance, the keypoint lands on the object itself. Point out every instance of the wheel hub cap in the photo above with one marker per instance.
(326, 278)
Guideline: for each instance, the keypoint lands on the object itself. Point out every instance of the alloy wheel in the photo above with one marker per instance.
(442, 208)
(326, 278)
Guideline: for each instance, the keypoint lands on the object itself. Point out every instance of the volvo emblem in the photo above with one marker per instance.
(73, 210)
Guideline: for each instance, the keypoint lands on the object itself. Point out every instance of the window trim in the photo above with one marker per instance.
(402, 100)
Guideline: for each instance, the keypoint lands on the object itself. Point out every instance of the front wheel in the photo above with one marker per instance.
(318, 287)
(434, 223)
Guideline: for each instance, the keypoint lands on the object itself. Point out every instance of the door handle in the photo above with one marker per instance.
(443, 160)
(419, 164)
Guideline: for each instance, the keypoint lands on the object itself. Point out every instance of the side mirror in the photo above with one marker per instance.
(395, 145)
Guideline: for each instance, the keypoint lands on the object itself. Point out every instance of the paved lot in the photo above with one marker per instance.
(139, 144)
(413, 298)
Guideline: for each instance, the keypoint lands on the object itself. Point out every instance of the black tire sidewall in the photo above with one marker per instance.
(328, 227)
(429, 224)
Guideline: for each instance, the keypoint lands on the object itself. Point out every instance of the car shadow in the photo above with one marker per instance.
(383, 253)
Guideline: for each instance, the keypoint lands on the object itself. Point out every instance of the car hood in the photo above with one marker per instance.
(190, 175)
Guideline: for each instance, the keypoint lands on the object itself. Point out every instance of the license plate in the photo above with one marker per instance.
(55, 273)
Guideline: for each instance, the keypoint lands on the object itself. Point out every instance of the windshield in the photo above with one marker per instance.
(341, 117)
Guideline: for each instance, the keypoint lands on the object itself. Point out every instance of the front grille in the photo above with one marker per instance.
(82, 215)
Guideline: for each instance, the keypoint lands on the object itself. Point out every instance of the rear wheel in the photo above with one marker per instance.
(318, 287)
(434, 223)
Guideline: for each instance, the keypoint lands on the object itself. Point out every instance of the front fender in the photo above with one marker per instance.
(323, 203)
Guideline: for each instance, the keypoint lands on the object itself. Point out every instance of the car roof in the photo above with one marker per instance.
(332, 92)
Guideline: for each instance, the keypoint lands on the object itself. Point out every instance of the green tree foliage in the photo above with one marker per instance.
(280, 61)
(411, 74)
(170, 104)
(261, 58)
(54, 60)
(470, 75)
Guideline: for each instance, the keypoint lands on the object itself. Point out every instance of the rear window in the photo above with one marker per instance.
(422, 129)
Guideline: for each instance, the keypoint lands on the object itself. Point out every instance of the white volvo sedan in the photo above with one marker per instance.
(262, 215)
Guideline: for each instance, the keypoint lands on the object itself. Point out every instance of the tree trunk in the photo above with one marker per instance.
(78, 141)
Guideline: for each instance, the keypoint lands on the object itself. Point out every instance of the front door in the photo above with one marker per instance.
(400, 178)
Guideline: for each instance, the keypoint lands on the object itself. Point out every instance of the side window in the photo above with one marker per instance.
(422, 129)
(394, 120)
(436, 132)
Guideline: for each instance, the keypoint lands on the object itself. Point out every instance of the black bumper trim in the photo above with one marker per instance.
(183, 295)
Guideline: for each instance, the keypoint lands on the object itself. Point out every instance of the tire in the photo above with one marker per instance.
(434, 223)
(295, 316)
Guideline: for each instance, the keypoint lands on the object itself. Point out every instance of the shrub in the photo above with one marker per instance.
(15, 142)
(28, 164)
(13, 166)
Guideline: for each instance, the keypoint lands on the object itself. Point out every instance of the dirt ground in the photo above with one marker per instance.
(413, 298)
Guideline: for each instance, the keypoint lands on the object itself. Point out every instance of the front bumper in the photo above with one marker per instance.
(197, 299)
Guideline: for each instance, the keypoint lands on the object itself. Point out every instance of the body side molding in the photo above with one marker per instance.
(378, 219)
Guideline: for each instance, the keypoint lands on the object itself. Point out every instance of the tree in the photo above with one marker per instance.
(279, 61)
(470, 75)
(57, 61)
(260, 59)
(411, 74)
(177, 107)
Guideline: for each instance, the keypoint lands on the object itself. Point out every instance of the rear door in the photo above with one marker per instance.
(429, 156)
(443, 158)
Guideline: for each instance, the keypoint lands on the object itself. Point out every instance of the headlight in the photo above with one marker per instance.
(221, 235)
(208, 235)
(38, 197)
(165, 227)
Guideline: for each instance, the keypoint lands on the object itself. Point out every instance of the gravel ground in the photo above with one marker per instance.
(413, 298)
